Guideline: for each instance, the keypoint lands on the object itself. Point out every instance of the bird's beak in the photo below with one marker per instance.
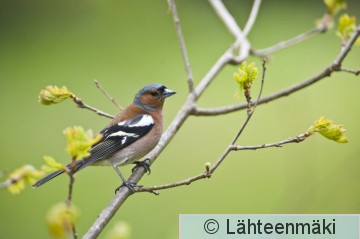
(167, 92)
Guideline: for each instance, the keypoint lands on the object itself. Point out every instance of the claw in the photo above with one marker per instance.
(130, 185)
(145, 164)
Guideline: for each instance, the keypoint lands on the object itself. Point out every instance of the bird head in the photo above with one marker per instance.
(152, 97)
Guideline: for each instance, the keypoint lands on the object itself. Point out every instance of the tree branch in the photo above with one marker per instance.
(333, 67)
(226, 17)
(355, 72)
(208, 173)
(241, 48)
(186, 110)
(284, 44)
(253, 15)
(296, 139)
(182, 45)
(251, 109)
(82, 105)
(112, 99)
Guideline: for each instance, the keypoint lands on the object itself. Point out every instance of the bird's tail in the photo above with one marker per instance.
(79, 163)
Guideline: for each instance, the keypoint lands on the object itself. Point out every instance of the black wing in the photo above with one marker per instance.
(119, 136)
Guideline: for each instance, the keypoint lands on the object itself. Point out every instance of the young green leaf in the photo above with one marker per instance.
(60, 219)
(334, 6)
(121, 230)
(328, 129)
(21, 176)
(79, 142)
(245, 75)
(346, 27)
(53, 95)
(51, 165)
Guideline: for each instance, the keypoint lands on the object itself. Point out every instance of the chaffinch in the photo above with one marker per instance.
(129, 136)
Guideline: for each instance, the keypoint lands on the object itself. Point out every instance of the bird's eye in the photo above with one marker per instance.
(154, 93)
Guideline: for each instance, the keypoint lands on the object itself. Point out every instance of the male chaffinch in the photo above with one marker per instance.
(129, 136)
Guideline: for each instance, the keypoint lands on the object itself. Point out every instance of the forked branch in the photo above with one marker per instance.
(242, 46)
(335, 66)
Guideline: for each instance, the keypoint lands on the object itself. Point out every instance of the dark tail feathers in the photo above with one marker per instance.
(79, 163)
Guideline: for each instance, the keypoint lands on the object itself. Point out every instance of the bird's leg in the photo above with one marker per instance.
(129, 185)
(145, 164)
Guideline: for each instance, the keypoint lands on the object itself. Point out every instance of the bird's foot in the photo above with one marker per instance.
(145, 164)
(130, 185)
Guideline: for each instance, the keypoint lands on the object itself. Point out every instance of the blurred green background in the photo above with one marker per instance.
(128, 44)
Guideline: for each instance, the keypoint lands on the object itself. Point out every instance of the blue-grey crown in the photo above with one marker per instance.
(165, 93)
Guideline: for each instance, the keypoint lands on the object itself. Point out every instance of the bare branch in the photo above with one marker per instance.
(112, 99)
(4, 184)
(355, 72)
(212, 73)
(186, 110)
(333, 67)
(346, 49)
(9, 182)
(297, 139)
(186, 60)
(249, 115)
(241, 48)
(123, 193)
(284, 44)
(3, 172)
(226, 17)
(82, 105)
(107, 213)
(251, 109)
(253, 15)
(207, 174)
(173, 185)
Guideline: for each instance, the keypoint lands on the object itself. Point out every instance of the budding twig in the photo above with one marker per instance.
(112, 99)
(355, 72)
(82, 105)
(182, 45)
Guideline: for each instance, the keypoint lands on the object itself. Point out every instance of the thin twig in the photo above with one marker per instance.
(187, 181)
(333, 67)
(185, 56)
(68, 203)
(355, 72)
(74, 231)
(207, 174)
(112, 99)
(70, 172)
(214, 71)
(185, 111)
(242, 128)
(3, 172)
(82, 105)
(252, 17)
(252, 109)
(11, 180)
(346, 49)
(240, 50)
(226, 17)
(284, 44)
(297, 139)
(4, 184)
